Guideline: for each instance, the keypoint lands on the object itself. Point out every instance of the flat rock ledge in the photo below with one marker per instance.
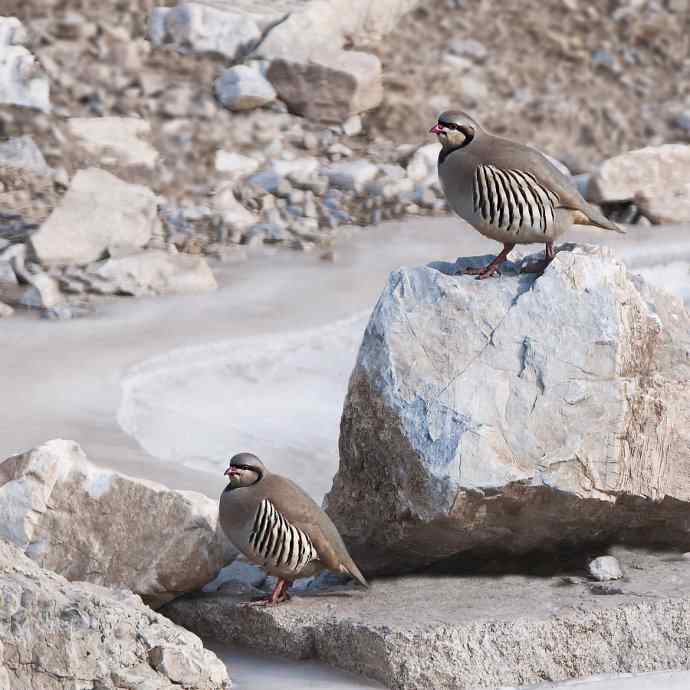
(476, 631)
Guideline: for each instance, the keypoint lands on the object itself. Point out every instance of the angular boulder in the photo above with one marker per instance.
(273, 30)
(652, 176)
(22, 81)
(114, 140)
(198, 27)
(157, 272)
(58, 635)
(99, 210)
(88, 523)
(330, 86)
(518, 414)
(243, 88)
(22, 153)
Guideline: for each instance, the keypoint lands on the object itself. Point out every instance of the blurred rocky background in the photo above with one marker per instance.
(195, 132)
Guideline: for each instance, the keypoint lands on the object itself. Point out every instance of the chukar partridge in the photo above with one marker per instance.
(507, 191)
(279, 527)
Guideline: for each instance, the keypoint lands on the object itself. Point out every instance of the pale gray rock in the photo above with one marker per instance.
(352, 126)
(231, 210)
(97, 211)
(197, 27)
(114, 140)
(44, 292)
(58, 635)
(605, 568)
(157, 272)
(515, 414)
(468, 47)
(443, 632)
(22, 152)
(22, 82)
(651, 171)
(235, 165)
(88, 523)
(423, 162)
(243, 88)
(7, 274)
(298, 167)
(330, 86)
(350, 175)
(670, 205)
(5, 311)
(235, 28)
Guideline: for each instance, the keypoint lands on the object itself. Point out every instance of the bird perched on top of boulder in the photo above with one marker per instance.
(279, 527)
(508, 191)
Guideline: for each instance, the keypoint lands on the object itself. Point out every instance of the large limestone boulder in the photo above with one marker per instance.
(22, 82)
(114, 140)
(88, 523)
(331, 86)
(99, 211)
(57, 635)
(656, 177)
(515, 414)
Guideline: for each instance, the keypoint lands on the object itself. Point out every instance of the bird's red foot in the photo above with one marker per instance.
(482, 273)
(277, 596)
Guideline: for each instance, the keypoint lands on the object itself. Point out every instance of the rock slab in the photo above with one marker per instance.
(515, 415)
(88, 523)
(157, 272)
(657, 178)
(114, 140)
(473, 631)
(99, 210)
(57, 635)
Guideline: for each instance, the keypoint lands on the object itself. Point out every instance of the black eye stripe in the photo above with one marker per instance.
(244, 467)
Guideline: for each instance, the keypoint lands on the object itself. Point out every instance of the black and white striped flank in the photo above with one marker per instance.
(512, 200)
(279, 543)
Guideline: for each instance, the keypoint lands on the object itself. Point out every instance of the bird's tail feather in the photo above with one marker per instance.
(352, 569)
(596, 219)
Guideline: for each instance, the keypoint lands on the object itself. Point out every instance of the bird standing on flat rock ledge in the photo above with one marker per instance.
(507, 191)
(279, 527)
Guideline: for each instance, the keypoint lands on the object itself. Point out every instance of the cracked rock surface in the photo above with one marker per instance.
(58, 635)
(514, 414)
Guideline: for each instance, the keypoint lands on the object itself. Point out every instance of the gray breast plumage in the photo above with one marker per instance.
(278, 545)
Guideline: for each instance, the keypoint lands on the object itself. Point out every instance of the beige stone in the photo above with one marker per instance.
(97, 211)
(652, 171)
(93, 524)
(114, 140)
(157, 272)
(329, 87)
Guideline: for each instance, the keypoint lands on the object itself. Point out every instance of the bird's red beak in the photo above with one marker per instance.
(231, 471)
(436, 129)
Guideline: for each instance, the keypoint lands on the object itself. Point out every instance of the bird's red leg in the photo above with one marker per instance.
(539, 266)
(279, 593)
(277, 596)
(492, 268)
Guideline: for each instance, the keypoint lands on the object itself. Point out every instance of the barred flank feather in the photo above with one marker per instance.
(279, 543)
(512, 200)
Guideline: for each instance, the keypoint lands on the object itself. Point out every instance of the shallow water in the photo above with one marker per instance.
(168, 388)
